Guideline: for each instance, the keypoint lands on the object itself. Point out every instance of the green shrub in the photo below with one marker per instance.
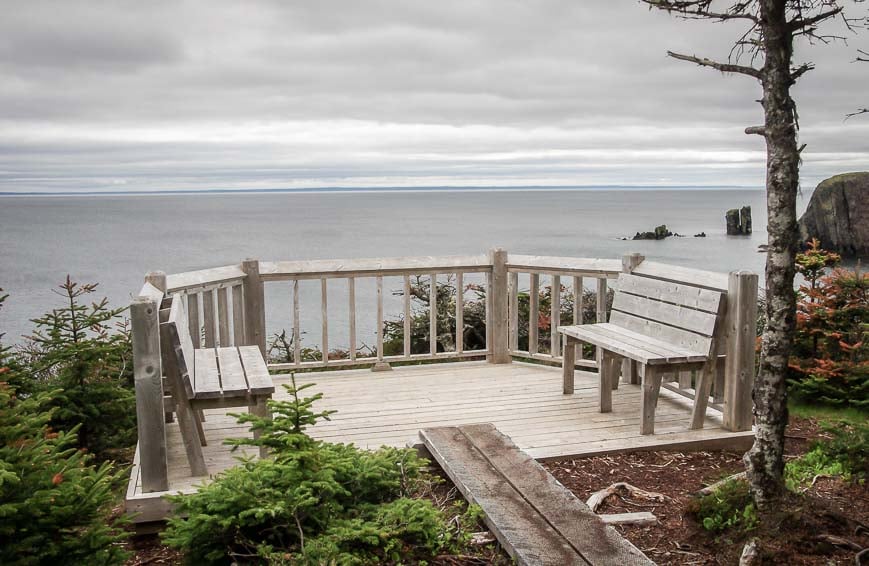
(729, 507)
(310, 502)
(53, 504)
(830, 362)
(85, 352)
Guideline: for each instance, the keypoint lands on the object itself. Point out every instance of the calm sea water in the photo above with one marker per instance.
(114, 240)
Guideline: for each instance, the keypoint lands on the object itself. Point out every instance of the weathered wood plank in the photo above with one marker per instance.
(500, 331)
(555, 316)
(258, 378)
(181, 343)
(460, 313)
(324, 314)
(203, 278)
(524, 534)
(254, 306)
(317, 268)
(741, 327)
(433, 313)
(533, 313)
(513, 293)
(207, 383)
(678, 337)
(671, 292)
(351, 315)
(297, 331)
(576, 528)
(148, 378)
(232, 381)
(565, 265)
(237, 316)
(208, 318)
(223, 316)
(679, 274)
(686, 318)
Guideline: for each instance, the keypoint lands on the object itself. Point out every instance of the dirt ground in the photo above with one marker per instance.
(830, 507)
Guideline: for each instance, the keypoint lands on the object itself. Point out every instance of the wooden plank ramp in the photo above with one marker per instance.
(536, 519)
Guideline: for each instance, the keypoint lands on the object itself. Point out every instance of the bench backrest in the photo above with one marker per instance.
(677, 313)
(180, 344)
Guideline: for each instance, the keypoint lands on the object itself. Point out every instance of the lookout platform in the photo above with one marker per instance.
(486, 329)
(522, 400)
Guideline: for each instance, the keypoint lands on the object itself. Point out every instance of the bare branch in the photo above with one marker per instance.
(800, 23)
(758, 130)
(857, 113)
(723, 67)
(801, 70)
(700, 9)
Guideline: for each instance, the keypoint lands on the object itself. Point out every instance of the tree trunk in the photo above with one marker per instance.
(765, 458)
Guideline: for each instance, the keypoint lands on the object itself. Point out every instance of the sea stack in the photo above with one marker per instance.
(738, 221)
(838, 215)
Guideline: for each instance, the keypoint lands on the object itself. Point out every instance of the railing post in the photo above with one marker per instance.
(499, 318)
(629, 367)
(741, 337)
(254, 306)
(148, 378)
(158, 280)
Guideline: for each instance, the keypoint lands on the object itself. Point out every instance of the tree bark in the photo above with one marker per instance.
(765, 459)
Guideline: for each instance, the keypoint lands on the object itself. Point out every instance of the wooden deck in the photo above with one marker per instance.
(524, 401)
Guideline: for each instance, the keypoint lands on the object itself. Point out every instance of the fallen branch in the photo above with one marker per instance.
(622, 489)
(838, 541)
(641, 518)
(710, 489)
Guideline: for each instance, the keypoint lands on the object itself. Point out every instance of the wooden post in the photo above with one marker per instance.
(629, 367)
(148, 376)
(158, 280)
(499, 349)
(741, 337)
(254, 306)
(380, 364)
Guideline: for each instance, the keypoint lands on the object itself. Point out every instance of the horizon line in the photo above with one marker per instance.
(393, 189)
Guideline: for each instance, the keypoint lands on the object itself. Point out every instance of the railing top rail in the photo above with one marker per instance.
(308, 269)
(572, 265)
(204, 277)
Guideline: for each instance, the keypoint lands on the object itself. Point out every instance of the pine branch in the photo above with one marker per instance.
(723, 67)
(801, 23)
(699, 9)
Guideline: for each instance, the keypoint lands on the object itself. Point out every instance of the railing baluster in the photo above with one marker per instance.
(380, 318)
(600, 315)
(407, 328)
(208, 311)
(513, 292)
(237, 316)
(351, 292)
(223, 316)
(297, 333)
(577, 310)
(433, 314)
(460, 312)
(324, 304)
(555, 316)
(533, 312)
(193, 319)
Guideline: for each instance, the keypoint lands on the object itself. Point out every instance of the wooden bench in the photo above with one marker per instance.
(662, 327)
(208, 378)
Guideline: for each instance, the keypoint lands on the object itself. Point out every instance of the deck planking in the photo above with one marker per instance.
(524, 401)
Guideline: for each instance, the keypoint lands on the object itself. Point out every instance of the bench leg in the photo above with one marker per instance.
(260, 408)
(193, 438)
(651, 388)
(629, 372)
(568, 364)
(607, 370)
(701, 394)
(615, 371)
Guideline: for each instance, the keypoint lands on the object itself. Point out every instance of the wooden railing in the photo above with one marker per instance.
(226, 307)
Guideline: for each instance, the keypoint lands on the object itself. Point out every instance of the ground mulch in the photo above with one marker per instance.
(797, 536)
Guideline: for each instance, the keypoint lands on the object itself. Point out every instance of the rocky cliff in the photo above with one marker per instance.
(838, 215)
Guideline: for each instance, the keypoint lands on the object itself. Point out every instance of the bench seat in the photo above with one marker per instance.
(633, 345)
(230, 372)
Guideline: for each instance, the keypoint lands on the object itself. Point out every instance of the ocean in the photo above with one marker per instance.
(114, 240)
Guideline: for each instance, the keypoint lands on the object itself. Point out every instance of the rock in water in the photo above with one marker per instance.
(838, 215)
(660, 233)
(738, 221)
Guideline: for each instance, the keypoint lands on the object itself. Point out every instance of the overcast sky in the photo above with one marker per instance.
(108, 96)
